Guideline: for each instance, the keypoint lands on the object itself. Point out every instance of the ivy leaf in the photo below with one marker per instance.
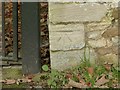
(45, 68)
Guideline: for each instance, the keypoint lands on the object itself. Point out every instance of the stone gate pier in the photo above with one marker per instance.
(76, 26)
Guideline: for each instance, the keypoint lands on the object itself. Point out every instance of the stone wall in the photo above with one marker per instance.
(76, 27)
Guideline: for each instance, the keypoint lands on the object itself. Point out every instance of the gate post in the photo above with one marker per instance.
(30, 37)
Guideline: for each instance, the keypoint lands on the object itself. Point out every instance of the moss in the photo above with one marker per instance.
(11, 73)
(24, 85)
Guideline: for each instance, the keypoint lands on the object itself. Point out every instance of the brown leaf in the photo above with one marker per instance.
(89, 84)
(10, 82)
(2, 81)
(29, 76)
(103, 87)
(76, 84)
(24, 80)
(101, 81)
(90, 70)
(108, 67)
(68, 76)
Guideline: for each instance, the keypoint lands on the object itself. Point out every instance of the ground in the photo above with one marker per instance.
(81, 76)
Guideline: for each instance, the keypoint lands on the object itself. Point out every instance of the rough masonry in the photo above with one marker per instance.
(76, 27)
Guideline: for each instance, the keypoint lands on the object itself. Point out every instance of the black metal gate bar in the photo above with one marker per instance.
(30, 37)
(3, 29)
(15, 36)
(15, 30)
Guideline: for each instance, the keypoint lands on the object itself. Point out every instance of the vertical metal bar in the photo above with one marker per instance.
(30, 37)
(3, 29)
(15, 30)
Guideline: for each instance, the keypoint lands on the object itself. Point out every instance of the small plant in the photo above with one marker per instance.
(85, 61)
(56, 79)
(45, 68)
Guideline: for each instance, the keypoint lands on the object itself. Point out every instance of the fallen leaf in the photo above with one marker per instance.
(76, 84)
(2, 81)
(101, 81)
(79, 77)
(29, 76)
(103, 87)
(10, 82)
(68, 76)
(24, 80)
(90, 70)
(89, 84)
(108, 66)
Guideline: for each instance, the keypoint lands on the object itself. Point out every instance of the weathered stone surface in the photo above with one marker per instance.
(95, 34)
(111, 32)
(97, 26)
(115, 50)
(69, 39)
(115, 40)
(66, 59)
(110, 58)
(115, 13)
(109, 43)
(76, 12)
(99, 43)
(66, 28)
(102, 1)
(103, 51)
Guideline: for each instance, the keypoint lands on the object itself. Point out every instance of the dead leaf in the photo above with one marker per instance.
(76, 84)
(24, 80)
(101, 81)
(103, 87)
(89, 84)
(79, 77)
(68, 76)
(108, 66)
(2, 81)
(10, 82)
(29, 76)
(90, 70)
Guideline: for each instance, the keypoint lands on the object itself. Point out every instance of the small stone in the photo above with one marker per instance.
(115, 13)
(111, 32)
(108, 43)
(94, 35)
(97, 26)
(97, 43)
(103, 51)
(110, 58)
(115, 40)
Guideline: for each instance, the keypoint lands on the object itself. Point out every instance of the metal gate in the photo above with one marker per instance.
(30, 26)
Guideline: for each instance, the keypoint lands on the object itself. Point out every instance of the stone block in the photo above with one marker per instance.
(66, 39)
(115, 40)
(97, 43)
(110, 58)
(103, 51)
(95, 35)
(97, 26)
(111, 32)
(66, 28)
(66, 59)
(73, 12)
